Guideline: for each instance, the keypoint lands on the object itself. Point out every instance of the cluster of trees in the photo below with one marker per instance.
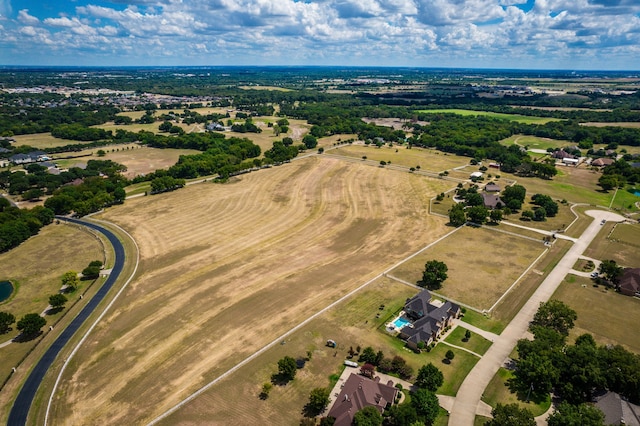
(546, 207)
(29, 324)
(92, 271)
(103, 188)
(618, 174)
(396, 365)
(17, 225)
(247, 127)
(575, 372)
(165, 184)
(78, 132)
(167, 126)
(280, 152)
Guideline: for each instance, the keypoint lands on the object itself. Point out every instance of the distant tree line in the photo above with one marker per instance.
(17, 225)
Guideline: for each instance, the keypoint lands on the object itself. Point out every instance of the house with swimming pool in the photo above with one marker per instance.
(423, 319)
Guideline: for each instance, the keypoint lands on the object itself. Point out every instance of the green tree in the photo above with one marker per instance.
(584, 414)
(70, 280)
(287, 368)
(477, 214)
(318, 401)
(6, 319)
(556, 315)
(456, 215)
(449, 355)
(510, 415)
(435, 273)
(540, 214)
(611, 270)
(514, 192)
(495, 215)
(57, 300)
(426, 405)
(368, 355)
(266, 389)
(467, 335)
(368, 416)
(310, 141)
(401, 415)
(429, 377)
(30, 324)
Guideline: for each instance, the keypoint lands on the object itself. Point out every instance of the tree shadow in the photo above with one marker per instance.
(446, 361)
(279, 379)
(22, 338)
(53, 311)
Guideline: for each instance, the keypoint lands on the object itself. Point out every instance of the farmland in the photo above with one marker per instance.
(243, 256)
(515, 117)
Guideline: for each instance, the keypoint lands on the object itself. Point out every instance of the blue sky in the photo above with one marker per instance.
(544, 34)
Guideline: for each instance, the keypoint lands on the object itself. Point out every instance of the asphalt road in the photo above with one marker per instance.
(22, 404)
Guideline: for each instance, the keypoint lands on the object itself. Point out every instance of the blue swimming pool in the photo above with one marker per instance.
(401, 322)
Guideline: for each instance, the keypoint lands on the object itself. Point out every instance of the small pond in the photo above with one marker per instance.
(5, 290)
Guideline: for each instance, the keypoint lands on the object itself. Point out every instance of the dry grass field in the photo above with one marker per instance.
(226, 269)
(482, 264)
(619, 242)
(631, 124)
(42, 140)
(139, 159)
(609, 316)
(427, 159)
(36, 266)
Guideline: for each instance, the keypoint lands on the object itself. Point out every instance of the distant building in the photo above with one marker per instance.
(476, 175)
(492, 201)
(359, 392)
(629, 283)
(562, 154)
(570, 161)
(215, 127)
(492, 187)
(618, 411)
(601, 162)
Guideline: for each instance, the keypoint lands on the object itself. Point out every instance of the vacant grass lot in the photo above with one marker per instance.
(621, 245)
(576, 185)
(225, 269)
(42, 141)
(515, 117)
(427, 159)
(482, 264)
(35, 267)
(609, 316)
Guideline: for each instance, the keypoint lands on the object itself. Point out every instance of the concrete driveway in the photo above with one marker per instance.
(467, 402)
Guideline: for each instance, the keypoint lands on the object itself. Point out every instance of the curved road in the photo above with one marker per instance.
(22, 404)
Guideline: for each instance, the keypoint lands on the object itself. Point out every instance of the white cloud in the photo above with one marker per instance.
(26, 19)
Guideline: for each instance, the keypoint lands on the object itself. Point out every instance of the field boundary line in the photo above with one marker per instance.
(95, 323)
(444, 342)
(545, 251)
(287, 334)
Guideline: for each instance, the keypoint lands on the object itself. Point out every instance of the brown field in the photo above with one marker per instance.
(139, 159)
(352, 323)
(297, 130)
(482, 264)
(632, 124)
(226, 269)
(619, 242)
(427, 159)
(36, 266)
(609, 316)
(268, 88)
(42, 140)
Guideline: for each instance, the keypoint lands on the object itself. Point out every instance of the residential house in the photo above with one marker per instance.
(429, 317)
(492, 187)
(20, 159)
(629, 283)
(476, 175)
(618, 411)
(215, 127)
(562, 154)
(359, 392)
(492, 201)
(601, 162)
(4, 150)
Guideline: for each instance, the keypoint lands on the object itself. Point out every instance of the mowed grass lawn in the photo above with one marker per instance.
(609, 316)
(227, 268)
(515, 117)
(482, 264)
(35, 268)
(427, 159)
(576, 185)
(498, 392)
(619, 242)
(42, 141)
(352, 323)
(476, 343)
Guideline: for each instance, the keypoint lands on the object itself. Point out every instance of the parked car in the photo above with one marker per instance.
(594, 275)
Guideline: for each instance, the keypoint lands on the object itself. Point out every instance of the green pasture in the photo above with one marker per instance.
(515, 117)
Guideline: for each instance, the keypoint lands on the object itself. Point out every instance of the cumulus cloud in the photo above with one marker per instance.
(382, 32)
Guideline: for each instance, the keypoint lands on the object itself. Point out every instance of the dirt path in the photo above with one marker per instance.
(469, 395)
